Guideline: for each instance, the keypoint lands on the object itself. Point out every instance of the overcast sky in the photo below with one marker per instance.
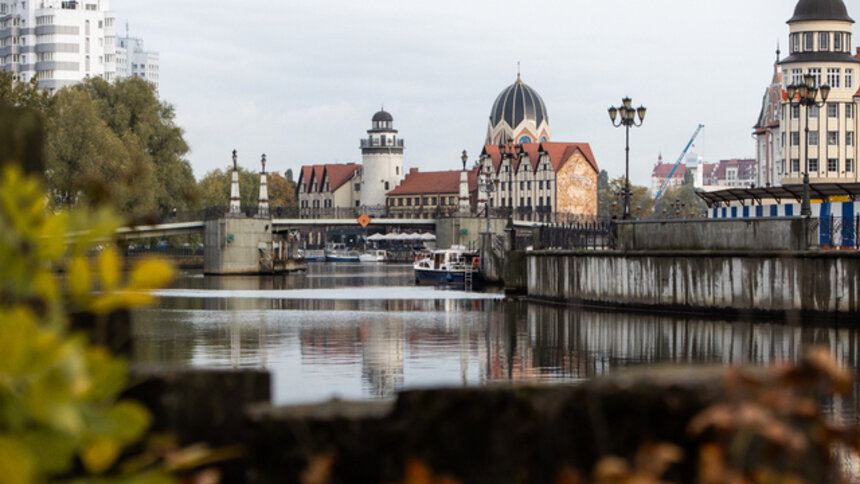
(300, 81)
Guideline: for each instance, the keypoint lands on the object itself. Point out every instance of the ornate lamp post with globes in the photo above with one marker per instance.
(627, 119)
(806, 94)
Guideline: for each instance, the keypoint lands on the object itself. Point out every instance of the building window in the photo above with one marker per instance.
(396, 170)
(833, 138)
(358, 187)
(813, 165)
(833, 110)
(408, 202)
(450, 200)
(386, 186)
(849, 111)
(849, 78)
(540, 185)
(849, 165)
(795, 43)
(813, 138)
(796, 76)
(824, 41)
(522, 185)
(528, 185)
(815, 72)
(424, 200)
(832, 165)
(795, 111)
(837, 42)
(795, 138)
(433, 201)
(808, 40)
(834, 77)
(399, 202)
(849, 138)
(795, 165)
(813, 112)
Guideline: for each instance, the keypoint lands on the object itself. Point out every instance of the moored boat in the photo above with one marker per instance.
(377, 255)
(448, 267)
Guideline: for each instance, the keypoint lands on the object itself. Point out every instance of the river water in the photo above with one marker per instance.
(365, 331)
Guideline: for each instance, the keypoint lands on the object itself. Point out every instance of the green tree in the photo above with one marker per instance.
(22, 94)
(289, 176)
(131, 109)
(214, 188)
(282, 191)
(611, 199)
(87, 162)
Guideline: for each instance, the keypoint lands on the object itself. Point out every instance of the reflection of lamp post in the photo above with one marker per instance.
(628, 119)
(806, 94)
(488, 186)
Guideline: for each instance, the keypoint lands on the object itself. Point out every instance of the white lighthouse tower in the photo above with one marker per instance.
(382, 163)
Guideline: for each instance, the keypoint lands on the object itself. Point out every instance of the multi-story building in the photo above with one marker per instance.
(133, 60)
(767, 131)
(820, 46)
(536, 176)
(661, 172)
(60, 42)
(332, 190)
(430, 194)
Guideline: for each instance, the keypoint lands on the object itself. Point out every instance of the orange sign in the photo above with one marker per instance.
(363, 220)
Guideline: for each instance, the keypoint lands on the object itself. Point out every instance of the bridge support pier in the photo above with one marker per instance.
(233, 245)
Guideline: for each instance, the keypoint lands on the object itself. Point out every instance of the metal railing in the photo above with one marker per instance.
(596, 234)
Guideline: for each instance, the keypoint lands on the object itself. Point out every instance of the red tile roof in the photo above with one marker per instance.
(558, 154)
(429, 182)
(662, 170)
(340, 174)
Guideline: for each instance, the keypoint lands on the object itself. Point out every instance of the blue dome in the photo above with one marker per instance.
(517, 103)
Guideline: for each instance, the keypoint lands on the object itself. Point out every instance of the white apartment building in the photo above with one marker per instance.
(61, 42)
(133, 60)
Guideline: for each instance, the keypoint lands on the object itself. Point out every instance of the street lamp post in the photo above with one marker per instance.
(806, 94)
(488, 186)
(627, 119)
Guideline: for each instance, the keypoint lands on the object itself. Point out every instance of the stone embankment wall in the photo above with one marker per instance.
(781, 283)
(788, 233)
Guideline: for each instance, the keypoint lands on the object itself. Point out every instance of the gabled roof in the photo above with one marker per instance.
(339, 174)
(662, 170)
(305, 176)
(558, 154)
(432, 182)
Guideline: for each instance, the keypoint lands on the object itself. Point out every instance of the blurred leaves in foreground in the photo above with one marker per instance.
(61, 416)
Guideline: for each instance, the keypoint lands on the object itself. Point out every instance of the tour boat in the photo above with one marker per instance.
(378, 255)
(448, 267)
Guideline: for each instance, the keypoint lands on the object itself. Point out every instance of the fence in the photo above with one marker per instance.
(835, 232)
(597, 234)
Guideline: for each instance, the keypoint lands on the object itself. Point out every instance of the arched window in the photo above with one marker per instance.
(525, 139)
(543, 139)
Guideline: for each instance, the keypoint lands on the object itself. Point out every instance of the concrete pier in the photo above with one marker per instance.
(233, 245)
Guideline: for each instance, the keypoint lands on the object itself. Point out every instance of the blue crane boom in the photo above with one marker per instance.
(680, 159)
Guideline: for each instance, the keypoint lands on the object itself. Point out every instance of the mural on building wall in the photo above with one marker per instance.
(577, 186)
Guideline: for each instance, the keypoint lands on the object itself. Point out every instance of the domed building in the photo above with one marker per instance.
(820, 45)
(518, 115)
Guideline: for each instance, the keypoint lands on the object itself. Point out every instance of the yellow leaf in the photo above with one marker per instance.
(151, 274)
(79, 278)
(16, 462)
(45, 286)
(100, 454)
(109, 267)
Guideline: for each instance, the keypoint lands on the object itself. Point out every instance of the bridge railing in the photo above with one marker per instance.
(594, 234)
(836, 233)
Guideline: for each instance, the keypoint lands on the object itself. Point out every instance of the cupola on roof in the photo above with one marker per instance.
(517, 103)
(820, 10)
(382, 115)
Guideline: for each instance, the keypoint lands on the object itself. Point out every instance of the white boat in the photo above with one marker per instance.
(448, 267)
(377, 255)
(339, 253)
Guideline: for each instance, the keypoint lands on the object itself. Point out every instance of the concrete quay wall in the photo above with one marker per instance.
(787, 233)
(783, 284)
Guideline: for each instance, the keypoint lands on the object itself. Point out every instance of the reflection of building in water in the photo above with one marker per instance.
(382, 350)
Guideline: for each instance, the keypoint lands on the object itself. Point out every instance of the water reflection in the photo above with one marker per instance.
(375, 342)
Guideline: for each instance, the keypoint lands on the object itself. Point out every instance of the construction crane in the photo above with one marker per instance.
(680, 159)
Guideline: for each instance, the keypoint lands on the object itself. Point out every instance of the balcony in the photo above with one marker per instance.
(397, 143)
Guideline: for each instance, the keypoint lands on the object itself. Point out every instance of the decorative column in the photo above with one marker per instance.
(465, 205)
(235, 199)
(263, 206)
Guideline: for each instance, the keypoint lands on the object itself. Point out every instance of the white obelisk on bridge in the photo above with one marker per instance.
(263, 207)
(235, 199)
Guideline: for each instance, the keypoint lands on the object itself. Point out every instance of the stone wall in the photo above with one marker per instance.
(232, 245)
(716, 234)
(576, 187)
(787, 285)
(449, 231)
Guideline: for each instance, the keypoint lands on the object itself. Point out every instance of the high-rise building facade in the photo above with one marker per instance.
(60, 42)
(820, 45)
(133, 60)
